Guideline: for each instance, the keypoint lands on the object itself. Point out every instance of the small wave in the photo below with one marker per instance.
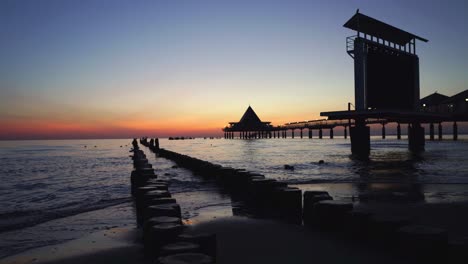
(20, 219)
(28, 187)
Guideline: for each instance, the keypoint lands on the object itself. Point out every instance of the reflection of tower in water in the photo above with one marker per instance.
(392, 180)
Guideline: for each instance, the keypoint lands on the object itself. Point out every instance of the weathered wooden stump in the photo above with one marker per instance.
(179, 247)
(160, 234)
(172, 209)
(164, 200)
(310, 198)
(207, 242)
(289, 201)
(146, 199)
(150, 195)
(160, 220)
(186, 258)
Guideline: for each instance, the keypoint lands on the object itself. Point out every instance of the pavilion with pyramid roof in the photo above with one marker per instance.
(249, 126)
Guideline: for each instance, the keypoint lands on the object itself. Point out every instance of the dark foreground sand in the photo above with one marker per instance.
(246, 240)
(240, 240)
(118, 245)
(452, 217)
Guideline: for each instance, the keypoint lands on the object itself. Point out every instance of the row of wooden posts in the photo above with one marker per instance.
(263, 196)
(317, 209)
(160, 220)
(283, 133)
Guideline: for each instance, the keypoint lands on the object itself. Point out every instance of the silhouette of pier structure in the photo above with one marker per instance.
(386, 80)
(251, 127)
(386, 84)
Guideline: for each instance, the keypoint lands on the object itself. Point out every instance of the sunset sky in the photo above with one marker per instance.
(119, 69)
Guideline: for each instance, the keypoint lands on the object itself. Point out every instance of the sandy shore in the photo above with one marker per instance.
(117, 245)
(244, 240)
(240, 240)
(247, 240)
(449, 216)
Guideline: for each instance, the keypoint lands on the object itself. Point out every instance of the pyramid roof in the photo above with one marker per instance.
(249, 121)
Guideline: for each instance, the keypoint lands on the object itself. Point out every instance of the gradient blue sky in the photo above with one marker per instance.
(124, 68)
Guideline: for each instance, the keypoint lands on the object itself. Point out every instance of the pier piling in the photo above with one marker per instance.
(440, 131)
(416, 137)
(455, 131)
(398, 131)
(360, 139)
(431, 131)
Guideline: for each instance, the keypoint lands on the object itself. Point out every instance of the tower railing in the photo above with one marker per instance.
(350, 45)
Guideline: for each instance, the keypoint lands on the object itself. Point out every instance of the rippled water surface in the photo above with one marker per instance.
(390, 161)
(43, 180)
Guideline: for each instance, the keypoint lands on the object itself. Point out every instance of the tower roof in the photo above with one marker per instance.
(374, 27)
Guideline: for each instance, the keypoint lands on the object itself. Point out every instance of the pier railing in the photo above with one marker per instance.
(325, 123)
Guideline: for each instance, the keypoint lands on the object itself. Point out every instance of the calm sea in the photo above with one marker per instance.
(56, 190)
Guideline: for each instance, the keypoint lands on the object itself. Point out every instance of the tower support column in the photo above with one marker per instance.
(416, 137)
(360, 139)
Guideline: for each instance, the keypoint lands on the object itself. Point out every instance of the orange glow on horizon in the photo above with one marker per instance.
(49, 129)
(128, 127)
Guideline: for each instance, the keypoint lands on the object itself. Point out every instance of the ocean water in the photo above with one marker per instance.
(390, 161)
(56, 190)
(392, 173)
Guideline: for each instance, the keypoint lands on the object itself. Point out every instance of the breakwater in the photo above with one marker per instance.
(317, 209)
(266, 197)
(159, 217)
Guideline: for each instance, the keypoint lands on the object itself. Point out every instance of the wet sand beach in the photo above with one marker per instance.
(240, 240)
(117, 245)
(249, 240)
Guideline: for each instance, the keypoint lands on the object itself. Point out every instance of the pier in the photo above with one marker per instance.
(386, 71)
(386, 85)
(346, 120)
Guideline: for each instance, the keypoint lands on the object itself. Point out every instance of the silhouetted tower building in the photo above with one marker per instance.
(386, 81)
(386, 67)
